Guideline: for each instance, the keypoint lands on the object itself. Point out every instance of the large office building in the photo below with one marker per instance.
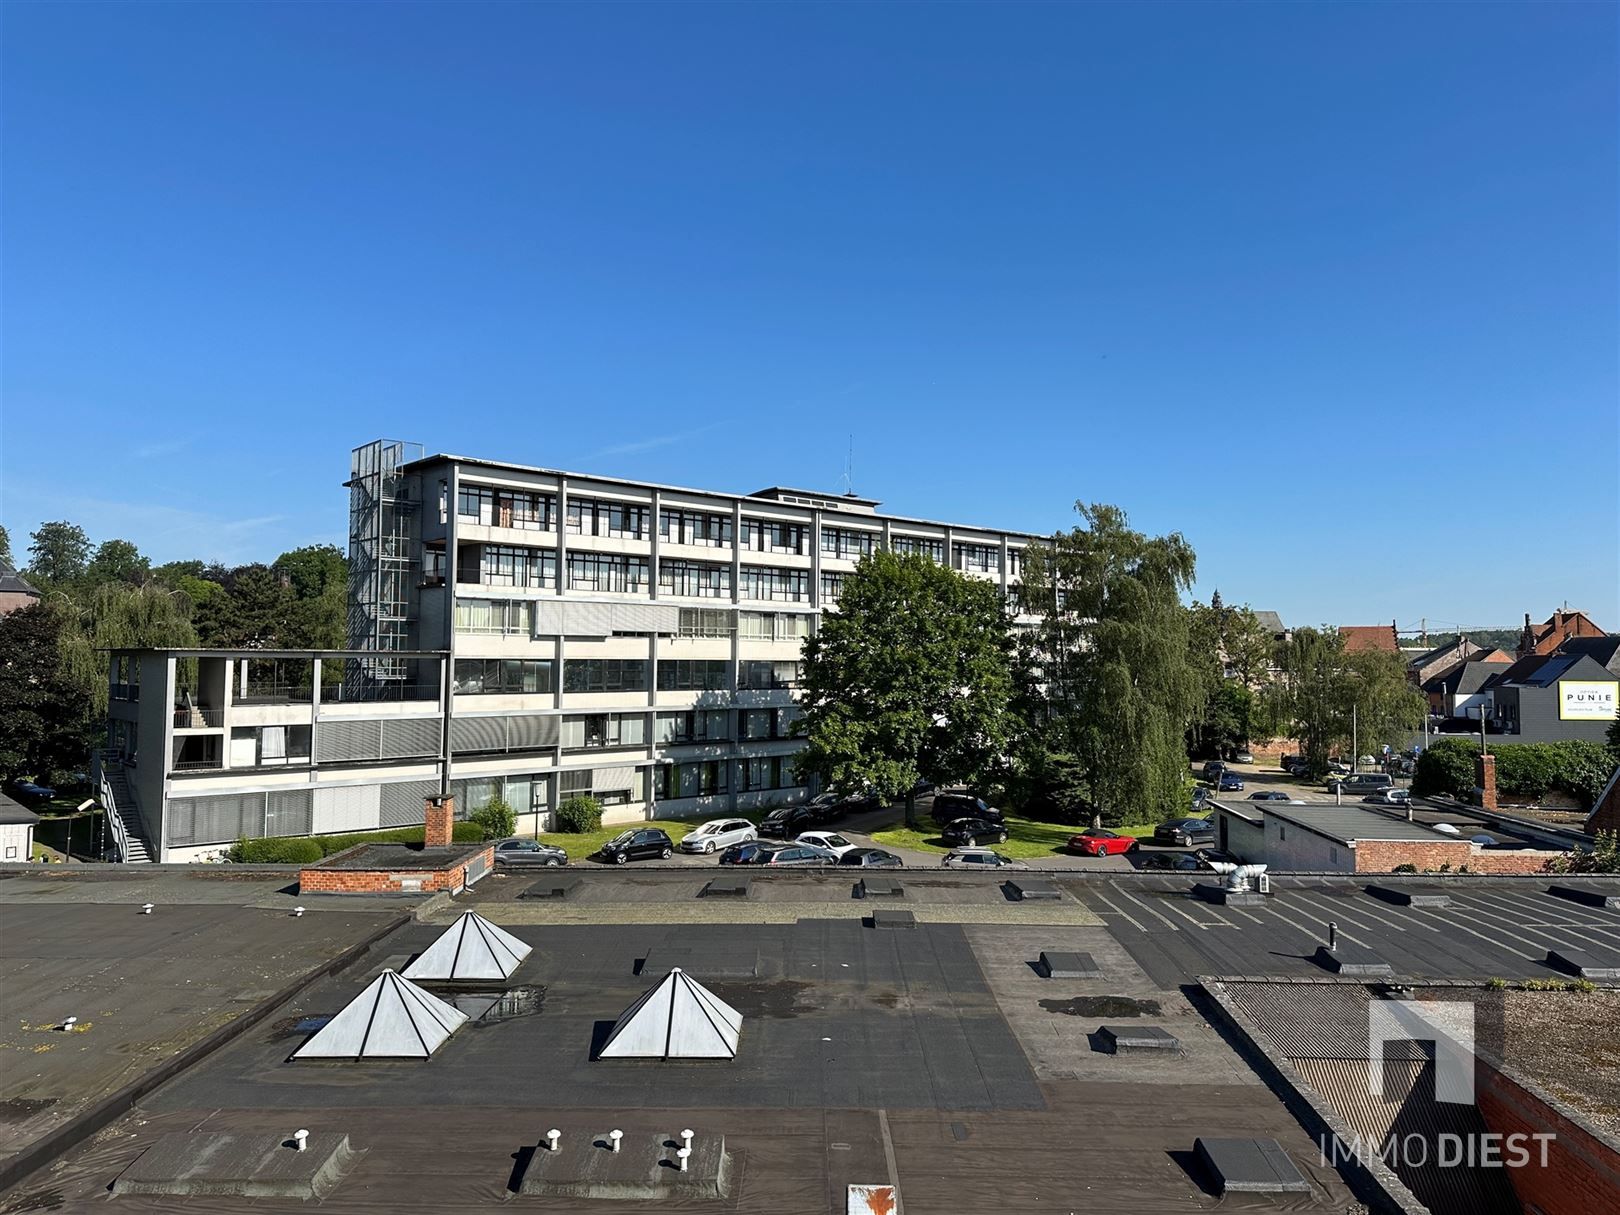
(541, 633)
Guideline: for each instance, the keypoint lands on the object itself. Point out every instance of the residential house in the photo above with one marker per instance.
(1551, 697)
(1459, 691)
(16, 831)
(15, 590)
(1441, 660)
(1561, 626)
(1359, 637)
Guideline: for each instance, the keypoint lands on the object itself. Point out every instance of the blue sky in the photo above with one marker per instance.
(1329, 288)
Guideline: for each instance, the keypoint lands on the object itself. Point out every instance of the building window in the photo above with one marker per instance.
(503, 676)
(705, 622)
(694, 675)
(978, 558)
(768, 536)
(847, 543)
(764, 582)
(771, 772)
(832, 586)
(765, 675)
(617, 793)
(705, 779)
(607, 572)
(773, 626)
(605, 675)
(506, 617)
(599, 517)
(693, 726)
(493, 507)
(1015, 562)
(919, 545)
(510, 565)
(695, 527)
(694, 579)
(585, 731)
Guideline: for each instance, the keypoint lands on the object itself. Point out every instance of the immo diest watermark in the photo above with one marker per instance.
(1449, 1026)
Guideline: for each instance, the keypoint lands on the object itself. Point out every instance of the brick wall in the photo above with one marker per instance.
(1582, 1175)
(389, 881)
(1382, 856)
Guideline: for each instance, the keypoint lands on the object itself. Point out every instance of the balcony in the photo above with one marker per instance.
(198, 765)
(191, 717)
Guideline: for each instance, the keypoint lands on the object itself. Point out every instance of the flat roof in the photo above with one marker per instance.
(1347, 823)
(449, 458)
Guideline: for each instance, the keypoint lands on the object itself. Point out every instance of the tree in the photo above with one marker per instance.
(117, 616)
(1612, 738)
(496, 819)
(1604, 857)
(319, 575)
(909, 679)
(1122, 685)
(118, 561)
(1249, 647)
(1327, 698)
(261, 603)
(59, 553)
(42, 727)
(5, 547)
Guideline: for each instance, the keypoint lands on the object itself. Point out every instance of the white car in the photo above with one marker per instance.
(979, 858)
(831, 841)
(718, 835)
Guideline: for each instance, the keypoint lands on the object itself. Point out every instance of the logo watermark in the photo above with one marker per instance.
(1447, 1027)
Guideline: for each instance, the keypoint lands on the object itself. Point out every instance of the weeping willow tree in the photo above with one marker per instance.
(118, 616)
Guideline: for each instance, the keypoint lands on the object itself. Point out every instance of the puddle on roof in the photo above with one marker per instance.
(1102, 1006)
(494, 1005)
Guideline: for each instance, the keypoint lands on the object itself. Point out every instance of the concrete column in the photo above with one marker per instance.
(562, 538)
(815, 560)
(736, 552)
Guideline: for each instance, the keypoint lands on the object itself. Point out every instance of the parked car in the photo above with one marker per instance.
(1360, 782)
(1295, 766)
(1200, 799)
(1389, 797)
(719, 834)
(787, 822)
(948, 807)
(33, 790)
(1183, 862)
(969, 831)
(870, 858)
(754, 852)
(829, 840)
(799, 854)
(1097, 842)
(1269, 795)
(979, 858)
(522, 853)
(1243, 757)
(1184, 832)
(1230, 782)
(638, 844)
(1213, 770)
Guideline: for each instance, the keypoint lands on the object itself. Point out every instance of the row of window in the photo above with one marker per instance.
(694, 580)
(847, 543)
(977, 558)
(695, 527)
(921, 546)
(703, 779)
(750, 626)
(503, 617)
(611, 572)
(770, 584)
(600, 517)
(509, 565)
(505, 676)
(522, 676)
(507, 508)
(604, 730)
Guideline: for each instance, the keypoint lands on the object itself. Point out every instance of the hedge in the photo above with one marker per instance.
(1524, 771)
(304, 849)
(579, 815)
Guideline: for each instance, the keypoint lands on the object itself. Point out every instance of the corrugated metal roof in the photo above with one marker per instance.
(1350, 823)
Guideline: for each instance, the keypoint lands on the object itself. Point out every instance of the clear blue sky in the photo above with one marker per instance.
(1329, 288)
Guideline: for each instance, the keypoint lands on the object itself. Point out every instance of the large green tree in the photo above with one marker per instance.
(118, 561)
(1327, 698)
(5, 546)
(42, 726)
(1121, 681)
(117, 616)
(59, 553)
(320, 578)
(909, 679)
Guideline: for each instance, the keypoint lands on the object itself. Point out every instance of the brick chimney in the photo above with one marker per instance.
(1485, 782)
(440, 818)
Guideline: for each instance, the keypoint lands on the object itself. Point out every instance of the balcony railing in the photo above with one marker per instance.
(197, 765)
(198, 719)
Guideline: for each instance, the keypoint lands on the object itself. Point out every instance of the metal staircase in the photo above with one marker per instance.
(123, 819)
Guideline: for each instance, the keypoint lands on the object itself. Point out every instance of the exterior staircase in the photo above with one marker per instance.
(123, 818)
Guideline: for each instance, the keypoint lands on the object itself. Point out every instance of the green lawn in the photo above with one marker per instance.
(1026, 838)
(579, 847)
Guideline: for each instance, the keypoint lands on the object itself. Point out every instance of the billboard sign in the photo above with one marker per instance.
(1588, 700)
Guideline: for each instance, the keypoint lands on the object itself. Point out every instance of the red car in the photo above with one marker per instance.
(1097, 842)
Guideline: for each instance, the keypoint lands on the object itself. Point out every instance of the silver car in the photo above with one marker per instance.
(980, 858)
(718, 835)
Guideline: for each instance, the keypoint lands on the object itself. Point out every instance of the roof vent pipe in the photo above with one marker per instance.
(297, 911)
(71, 1024)
(615, 1136)
(146, 909)
(686, 1136)
(552, 1137)
(685, 1154)
(300, 1141)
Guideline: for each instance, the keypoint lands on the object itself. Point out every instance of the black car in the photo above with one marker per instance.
(752, 852)
(633, 845)
(1213, 770)
(1200, 799)
(1184, 832)
(1184, 862)
(787, 822)
(513, 853)
(871, 858)
(1270, 795)
(968, 832)
(948, 807)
